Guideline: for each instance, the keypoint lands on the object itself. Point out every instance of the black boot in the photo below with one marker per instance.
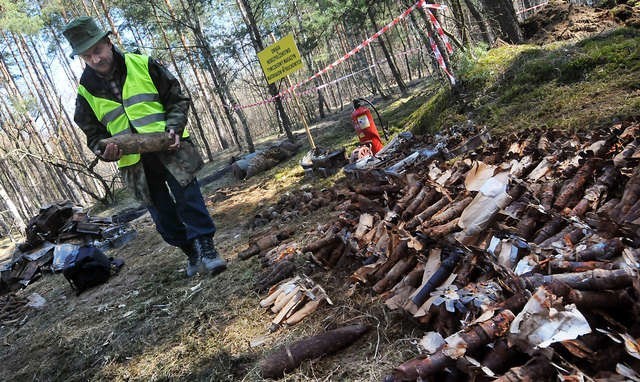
(193, 258)
(210, 259)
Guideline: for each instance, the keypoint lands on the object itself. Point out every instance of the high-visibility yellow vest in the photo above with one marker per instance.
(140, 109)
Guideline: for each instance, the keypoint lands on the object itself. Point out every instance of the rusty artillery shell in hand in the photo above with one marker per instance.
(138, 143)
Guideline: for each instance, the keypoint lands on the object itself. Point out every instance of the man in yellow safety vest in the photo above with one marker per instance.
(133, 94)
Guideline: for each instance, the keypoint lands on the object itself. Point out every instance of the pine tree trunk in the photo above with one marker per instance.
(23, 207)
(375, 72)
(427, 45)
(308, 63)
(220, 85)
(481, 21)
(406, 47)
(185, 88)
(196, 74)
(114, 30)
(258, 45)
(503, 17)
(459, 19)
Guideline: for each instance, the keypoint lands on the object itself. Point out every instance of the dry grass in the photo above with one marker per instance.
(150, 323)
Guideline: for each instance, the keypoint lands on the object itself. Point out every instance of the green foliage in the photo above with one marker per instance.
(17, 16)
(563, 85)
(489, 65)
(399, 113)
(427, 118)
(23, 106)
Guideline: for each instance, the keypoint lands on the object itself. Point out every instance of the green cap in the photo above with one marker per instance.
(83, 33)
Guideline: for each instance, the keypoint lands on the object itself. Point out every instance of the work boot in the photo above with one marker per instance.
(193, 258)
(211, 260)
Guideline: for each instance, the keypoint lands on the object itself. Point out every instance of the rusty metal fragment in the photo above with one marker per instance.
(476, 336)
(537, 370)
(576, 184)
(453, 256)
(291, 356)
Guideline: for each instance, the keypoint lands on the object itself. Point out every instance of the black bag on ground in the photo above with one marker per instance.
(88, 268)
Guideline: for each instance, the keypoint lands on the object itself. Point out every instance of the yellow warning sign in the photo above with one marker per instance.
(280, 59)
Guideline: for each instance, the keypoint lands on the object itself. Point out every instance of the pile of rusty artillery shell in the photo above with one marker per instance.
(522, 254)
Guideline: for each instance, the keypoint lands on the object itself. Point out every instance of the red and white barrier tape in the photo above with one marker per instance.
(443, 65)
(436, 25)
(315, 88)
(532, 8)
(345, 77)
(365, 69)
(421, 3)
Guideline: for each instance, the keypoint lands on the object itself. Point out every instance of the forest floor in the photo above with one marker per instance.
(150, 322)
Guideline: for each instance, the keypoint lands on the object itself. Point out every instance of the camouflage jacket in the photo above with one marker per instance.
(182, 163)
